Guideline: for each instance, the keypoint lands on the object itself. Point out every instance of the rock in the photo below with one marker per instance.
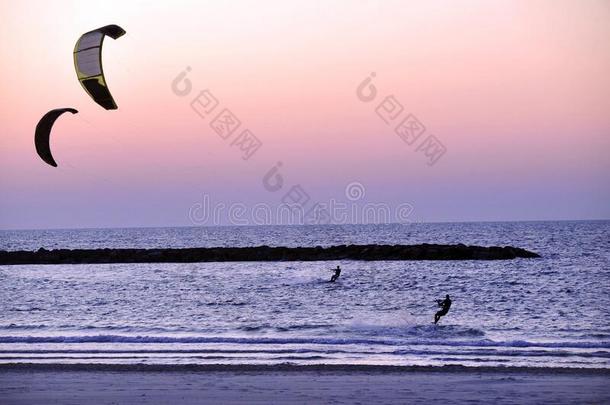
(265, 253)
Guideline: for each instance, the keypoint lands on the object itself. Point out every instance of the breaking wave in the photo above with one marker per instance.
(314, 341)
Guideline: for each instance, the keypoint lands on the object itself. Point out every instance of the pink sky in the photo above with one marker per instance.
(518, 93)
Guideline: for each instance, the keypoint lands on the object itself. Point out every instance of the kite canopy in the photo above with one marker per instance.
(88, 64)
(43, 131)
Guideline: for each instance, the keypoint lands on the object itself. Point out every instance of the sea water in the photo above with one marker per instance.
(547, 312)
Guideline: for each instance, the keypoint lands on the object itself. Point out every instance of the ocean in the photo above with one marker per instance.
(547, 312)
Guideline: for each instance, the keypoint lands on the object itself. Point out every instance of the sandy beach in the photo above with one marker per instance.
(110, 384)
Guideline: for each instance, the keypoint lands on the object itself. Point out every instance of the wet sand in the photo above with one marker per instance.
(110, 384)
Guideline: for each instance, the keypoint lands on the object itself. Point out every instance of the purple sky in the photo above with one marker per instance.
(516, 95)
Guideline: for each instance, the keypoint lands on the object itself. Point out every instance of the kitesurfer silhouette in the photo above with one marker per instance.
(336, 275)
(445, 305)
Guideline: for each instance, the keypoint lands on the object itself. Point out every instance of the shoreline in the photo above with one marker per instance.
(300, 385)
(265, 253)
(293, 368)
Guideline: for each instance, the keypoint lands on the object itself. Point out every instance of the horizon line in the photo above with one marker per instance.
(295, 225)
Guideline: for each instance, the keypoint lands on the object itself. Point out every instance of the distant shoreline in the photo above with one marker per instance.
(265, 253)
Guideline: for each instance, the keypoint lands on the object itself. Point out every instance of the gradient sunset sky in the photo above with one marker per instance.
(517, 91)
